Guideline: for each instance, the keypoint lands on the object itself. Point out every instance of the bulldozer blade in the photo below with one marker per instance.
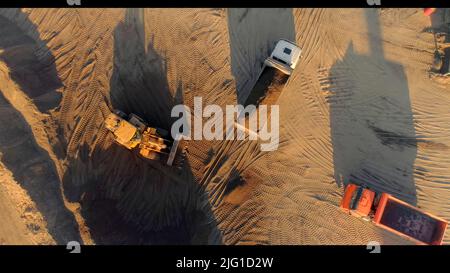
(173, 151)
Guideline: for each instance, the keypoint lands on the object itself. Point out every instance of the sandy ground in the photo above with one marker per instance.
(361, 107)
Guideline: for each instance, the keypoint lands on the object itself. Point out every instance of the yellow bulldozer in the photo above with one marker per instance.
(133, 133)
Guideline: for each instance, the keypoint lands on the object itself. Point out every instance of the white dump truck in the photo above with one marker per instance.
(274, 73)
(272, 78)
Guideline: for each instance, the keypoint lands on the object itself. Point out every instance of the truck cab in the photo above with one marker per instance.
(285, 56)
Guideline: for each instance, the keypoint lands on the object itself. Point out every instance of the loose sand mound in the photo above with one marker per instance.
(360, 107)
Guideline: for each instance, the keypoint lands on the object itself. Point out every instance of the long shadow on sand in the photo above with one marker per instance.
(253, 34)
(31, 64)
(372, 124)
(131, 200)
(32, 68)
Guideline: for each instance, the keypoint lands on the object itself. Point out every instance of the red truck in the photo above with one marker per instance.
(394, 215)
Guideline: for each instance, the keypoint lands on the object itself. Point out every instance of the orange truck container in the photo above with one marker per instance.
(428, 11)
(394, 215)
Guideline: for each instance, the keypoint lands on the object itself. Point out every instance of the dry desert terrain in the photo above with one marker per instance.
(361, 106)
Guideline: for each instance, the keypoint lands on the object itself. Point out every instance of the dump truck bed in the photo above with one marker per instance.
(408, 221)
(268, 87)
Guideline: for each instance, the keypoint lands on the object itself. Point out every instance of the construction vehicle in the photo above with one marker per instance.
(394, 215)
(133, 133)
(274, 73)
(440, 66)
(441, 60)
(271, 80)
